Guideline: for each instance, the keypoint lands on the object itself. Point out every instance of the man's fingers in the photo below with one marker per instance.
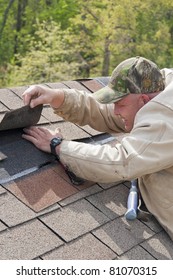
(31, 96)
(44, 130)
(27, 95)
(30, 138)
(33, 131)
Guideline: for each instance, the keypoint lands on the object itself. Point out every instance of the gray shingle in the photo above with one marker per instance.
(25, 156)
(27, 241)
(2, 226)
(2, 190)
(75, 219)
(136, 253)
(121, 235)
(108, 201)
(12, 211)
(83, 193)
(160, 246)
(10, 99)
(85, 248)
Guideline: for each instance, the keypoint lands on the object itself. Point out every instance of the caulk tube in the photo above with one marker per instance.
(132, 201)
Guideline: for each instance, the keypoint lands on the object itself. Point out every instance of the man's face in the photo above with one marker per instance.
(127, 108)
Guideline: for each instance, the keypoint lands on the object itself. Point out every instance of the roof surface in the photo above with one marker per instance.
(44, 216)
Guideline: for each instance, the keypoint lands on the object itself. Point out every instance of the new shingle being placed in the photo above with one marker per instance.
(21, 117)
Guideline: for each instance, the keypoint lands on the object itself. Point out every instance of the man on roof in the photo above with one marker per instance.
(138, 100)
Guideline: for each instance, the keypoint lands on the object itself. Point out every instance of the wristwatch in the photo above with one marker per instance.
(54, 143)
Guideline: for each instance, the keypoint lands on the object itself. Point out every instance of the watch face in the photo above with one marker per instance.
(53, 143)
(56, 141)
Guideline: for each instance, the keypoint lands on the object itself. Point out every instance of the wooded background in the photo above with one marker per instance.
(56, 40)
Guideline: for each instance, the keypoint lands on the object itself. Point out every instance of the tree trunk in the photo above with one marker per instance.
(6, 16)
(106, 58)
(19, 22)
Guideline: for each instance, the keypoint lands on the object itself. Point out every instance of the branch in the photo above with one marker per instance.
(5, 16)
(91, 13)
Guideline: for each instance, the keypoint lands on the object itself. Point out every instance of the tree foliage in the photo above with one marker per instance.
(51, 40)
(47, 58)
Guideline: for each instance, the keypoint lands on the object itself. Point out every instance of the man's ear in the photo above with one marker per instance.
(145, 98)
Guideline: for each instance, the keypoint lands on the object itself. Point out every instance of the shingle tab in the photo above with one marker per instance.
(70, 131)
(18, 90)
(136, 253)
(108, 200)
(79, 195)
(27, 241)
(41, 188)
(48, 113)
(76, 85)
(75, 219)
(92, 85)
(160, 246)
(14, 212)
(90, 130)
(3, 108)
(121, 235)
(79, 249)
(56, 85)
(10, 99)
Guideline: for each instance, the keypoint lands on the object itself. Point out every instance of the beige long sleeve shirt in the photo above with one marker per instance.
(145, 153)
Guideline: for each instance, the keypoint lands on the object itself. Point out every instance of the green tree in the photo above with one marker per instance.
(47, 60)
(18, 18)
(94, 36)
(120, 30)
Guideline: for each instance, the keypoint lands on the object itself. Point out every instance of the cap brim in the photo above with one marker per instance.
(107, 95)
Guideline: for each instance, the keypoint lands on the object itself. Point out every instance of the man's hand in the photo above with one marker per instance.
(36, 95)
(41, 137)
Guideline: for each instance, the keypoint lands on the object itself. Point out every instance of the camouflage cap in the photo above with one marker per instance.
(133, 75)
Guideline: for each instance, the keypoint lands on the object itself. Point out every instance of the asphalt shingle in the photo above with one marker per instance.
(160, 246)
(3, 108)
(76, 85)
(41, 189)
(12, 101)
(121, 235)
(75, 220)
(2, 190)
(27, 241)
(14, 212)
(92, 85)
(49, 115)
(136, 253)
(112, 202)
(82, 194)
(2, 226)
(85, 248)
(23, 152)
(70, 131)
